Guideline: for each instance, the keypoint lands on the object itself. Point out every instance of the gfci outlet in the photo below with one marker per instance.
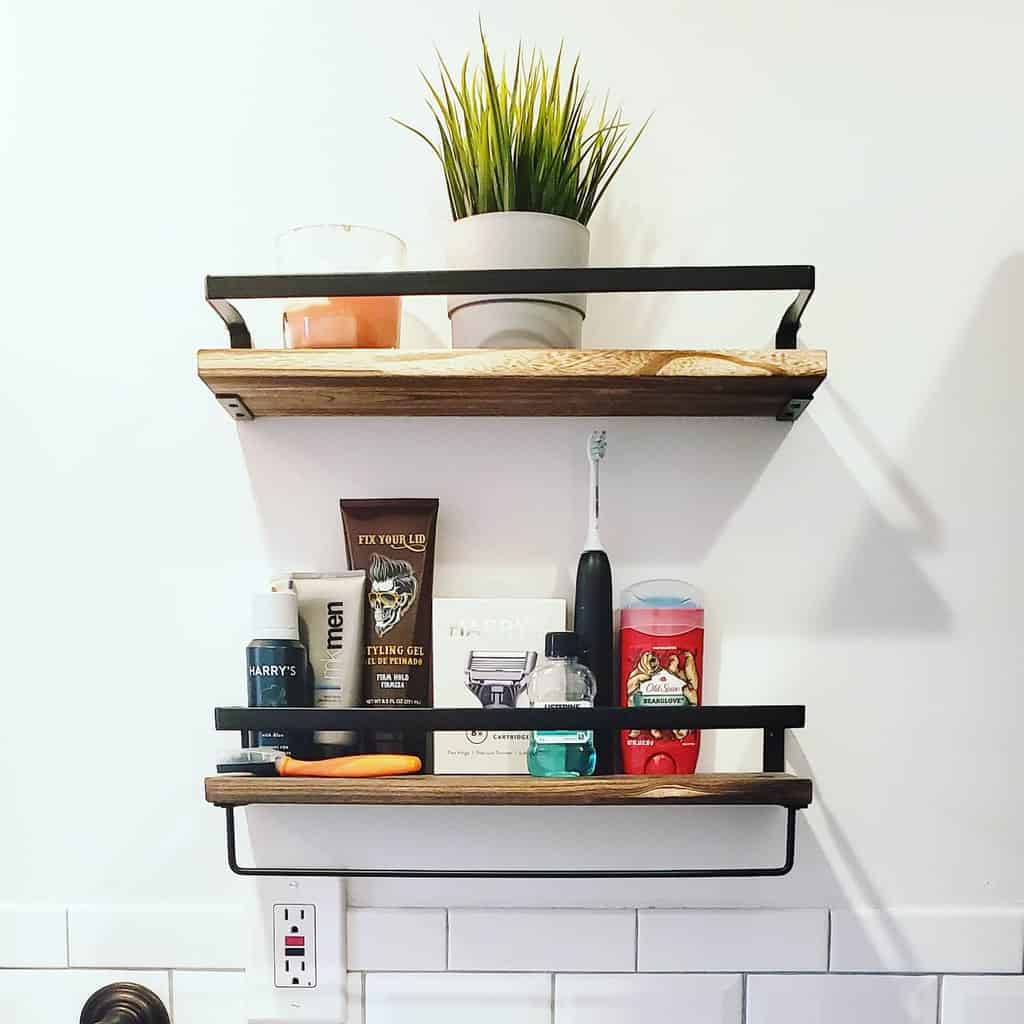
(295, 942)
(296, 968)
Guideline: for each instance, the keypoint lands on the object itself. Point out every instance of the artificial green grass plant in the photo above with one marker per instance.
(526, 141)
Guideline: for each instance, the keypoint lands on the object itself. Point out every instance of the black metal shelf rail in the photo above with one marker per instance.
(220, 291)
(771, 720)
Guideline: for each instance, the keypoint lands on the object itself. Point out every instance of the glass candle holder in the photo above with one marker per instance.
(363, 321)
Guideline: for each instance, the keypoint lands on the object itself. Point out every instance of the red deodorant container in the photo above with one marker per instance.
(661, 651)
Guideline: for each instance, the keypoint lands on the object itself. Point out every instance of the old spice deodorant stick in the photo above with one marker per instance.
(661, 649)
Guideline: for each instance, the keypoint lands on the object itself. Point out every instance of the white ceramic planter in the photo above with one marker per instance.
(512, 241)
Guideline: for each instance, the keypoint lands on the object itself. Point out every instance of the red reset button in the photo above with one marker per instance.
(294, 940)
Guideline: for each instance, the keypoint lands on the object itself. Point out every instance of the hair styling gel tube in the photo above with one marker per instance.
(392, 539)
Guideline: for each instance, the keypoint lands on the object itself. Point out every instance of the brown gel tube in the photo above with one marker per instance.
(392, 539)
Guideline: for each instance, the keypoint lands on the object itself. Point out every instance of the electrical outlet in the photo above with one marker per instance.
(295, 945)
(288, 982)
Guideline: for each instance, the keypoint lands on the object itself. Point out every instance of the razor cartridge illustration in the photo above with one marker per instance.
(497, 678)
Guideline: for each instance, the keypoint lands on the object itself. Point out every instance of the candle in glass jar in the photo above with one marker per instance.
(364, 321)
(341, 321)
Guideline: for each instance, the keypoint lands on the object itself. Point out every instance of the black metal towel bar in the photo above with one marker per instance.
(289, 872)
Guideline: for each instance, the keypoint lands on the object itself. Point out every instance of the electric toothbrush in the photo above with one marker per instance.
(592, 621)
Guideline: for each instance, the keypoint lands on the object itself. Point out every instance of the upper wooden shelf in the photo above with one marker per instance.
(775, 383)
(766, 788)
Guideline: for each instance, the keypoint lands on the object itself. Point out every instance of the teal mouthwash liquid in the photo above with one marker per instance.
(561, 682)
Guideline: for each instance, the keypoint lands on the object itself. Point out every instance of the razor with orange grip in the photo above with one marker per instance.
(355, 766)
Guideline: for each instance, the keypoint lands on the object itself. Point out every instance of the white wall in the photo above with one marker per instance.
(860, 561)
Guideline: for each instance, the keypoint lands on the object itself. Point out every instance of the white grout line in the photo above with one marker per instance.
(134, 969)
(743, 999)
(828, 939)
(170, 994)
(343, 902)
(67, 937)
(636, 941)
(938, 1000)
(552, 999)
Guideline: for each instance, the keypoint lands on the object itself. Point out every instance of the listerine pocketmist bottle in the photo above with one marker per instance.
(561, 681)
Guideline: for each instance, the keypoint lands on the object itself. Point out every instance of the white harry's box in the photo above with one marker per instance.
(483, 650)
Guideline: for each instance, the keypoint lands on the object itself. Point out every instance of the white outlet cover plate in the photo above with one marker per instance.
(270, 1002)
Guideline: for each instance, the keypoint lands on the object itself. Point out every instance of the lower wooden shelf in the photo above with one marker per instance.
(767, 788)
(764, 788)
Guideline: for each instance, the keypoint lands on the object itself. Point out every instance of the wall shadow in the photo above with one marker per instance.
(960, 448)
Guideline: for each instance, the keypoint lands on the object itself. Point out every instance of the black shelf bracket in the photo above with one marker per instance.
(220, 290)
(235, 407)
(238, 330)
(785, 336)
(771, 720)
(790, 412)
(755, 872)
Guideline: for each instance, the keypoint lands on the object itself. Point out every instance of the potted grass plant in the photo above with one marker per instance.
(527, 155)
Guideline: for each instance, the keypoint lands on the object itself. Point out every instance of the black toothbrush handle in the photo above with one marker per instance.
(592, 623)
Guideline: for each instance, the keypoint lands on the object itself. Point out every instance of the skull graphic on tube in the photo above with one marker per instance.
(392, 591)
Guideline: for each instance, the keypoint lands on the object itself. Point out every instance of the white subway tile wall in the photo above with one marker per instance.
(57, 996)
(991, 1000)
(732, 940)
(927, 940)
(541, 940)
(626, 999)
(208, 997)
(518, 966)
(218, 997)
(33, 936)
(397, 940)
(841, 999)
(156, 936)
(458, 998)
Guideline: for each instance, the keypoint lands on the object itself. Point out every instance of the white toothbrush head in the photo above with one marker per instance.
(597, 445)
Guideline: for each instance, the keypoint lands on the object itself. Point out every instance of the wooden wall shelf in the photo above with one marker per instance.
(770, 383)
(762, 788)
(773, 383)
(770, 787)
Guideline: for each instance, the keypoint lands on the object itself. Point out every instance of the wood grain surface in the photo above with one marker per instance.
(518, 382)
(485, 790)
